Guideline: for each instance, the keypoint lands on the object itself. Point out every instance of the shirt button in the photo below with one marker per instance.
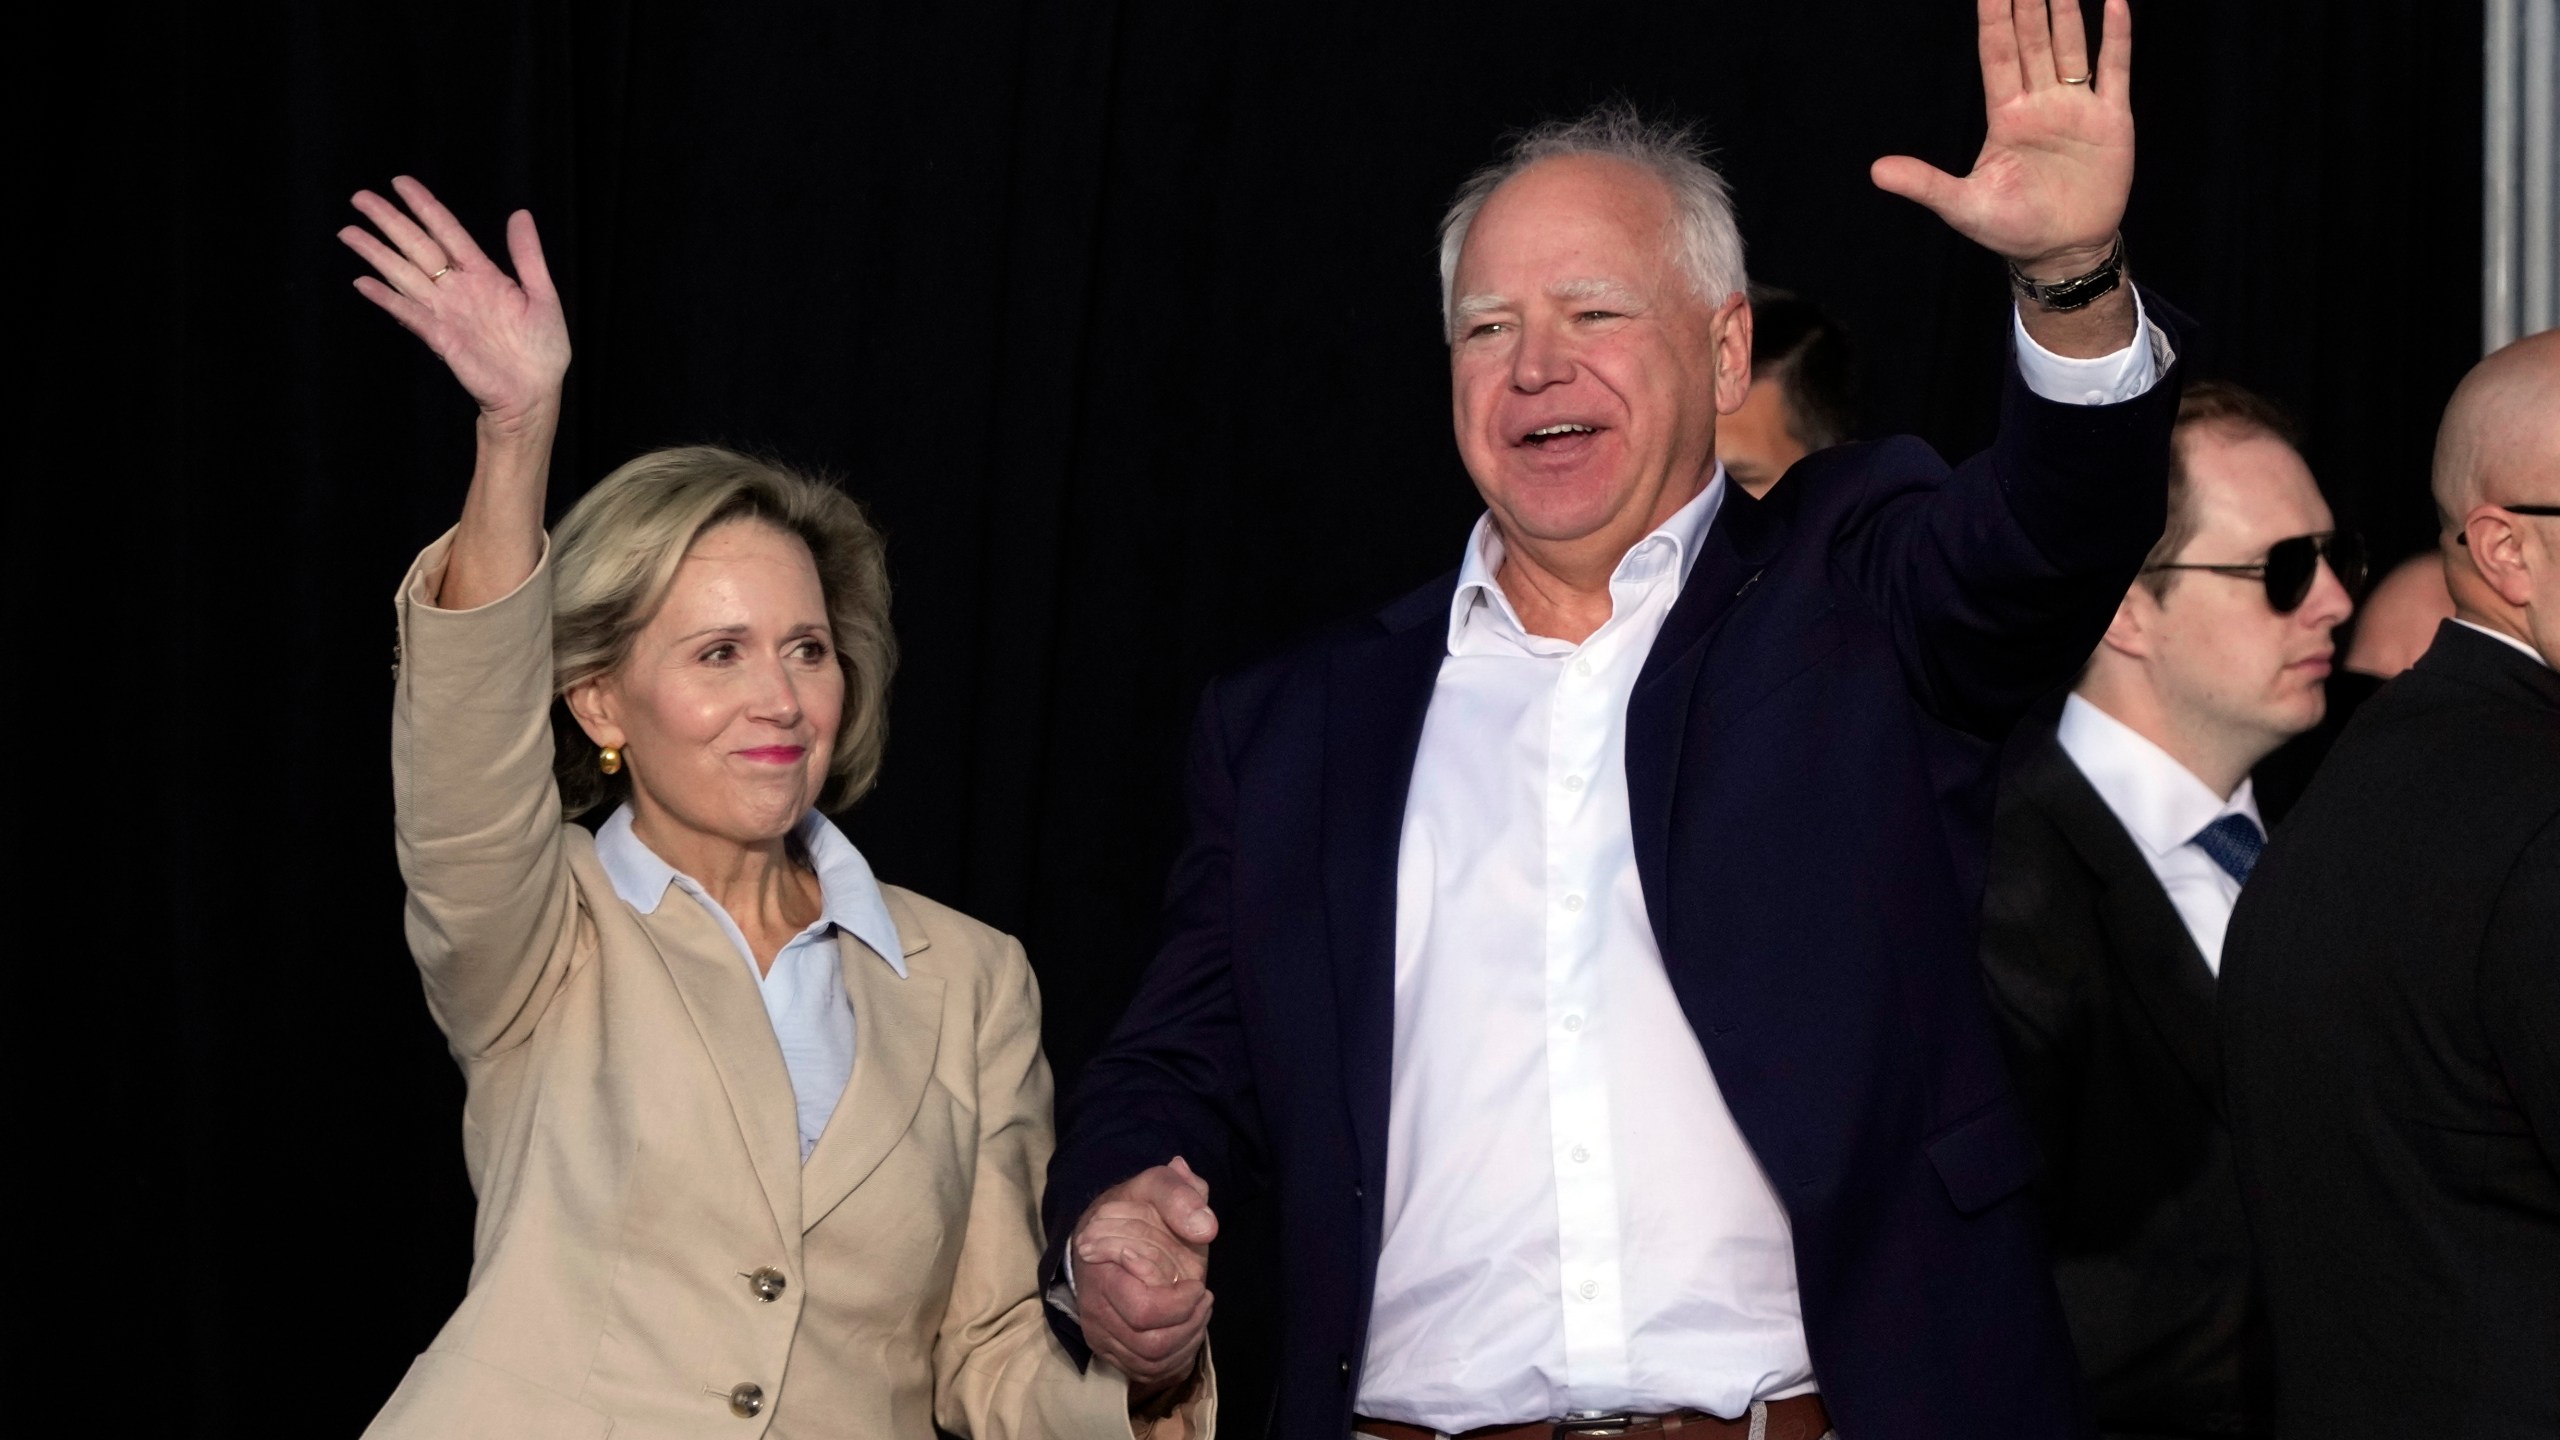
(1573, 783)
(2095, 397)
(1573, 904)
(1573, 1024)
(1588, 1289)
(1581, 1154)
(1582, 667)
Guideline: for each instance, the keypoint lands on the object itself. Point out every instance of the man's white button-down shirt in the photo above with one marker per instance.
(2163, 806)
(803, 993)
(1572, 1221)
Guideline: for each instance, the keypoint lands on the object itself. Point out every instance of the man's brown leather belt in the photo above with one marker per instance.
(1798, 1417)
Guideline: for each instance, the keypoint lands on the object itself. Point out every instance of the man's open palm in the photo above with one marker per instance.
(2048, 190)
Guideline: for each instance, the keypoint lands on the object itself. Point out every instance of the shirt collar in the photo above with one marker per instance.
(2505, 638)
(1672, 549)
(2160, 802)
(848, 894)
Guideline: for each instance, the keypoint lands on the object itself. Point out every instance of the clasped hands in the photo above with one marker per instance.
(1141, 1267)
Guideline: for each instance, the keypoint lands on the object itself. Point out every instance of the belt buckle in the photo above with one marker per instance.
(1618, 1423)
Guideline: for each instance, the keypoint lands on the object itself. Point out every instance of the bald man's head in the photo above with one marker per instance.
(2501, 430)
(2499, 447)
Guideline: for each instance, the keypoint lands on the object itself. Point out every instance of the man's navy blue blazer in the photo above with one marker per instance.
(1810, 749)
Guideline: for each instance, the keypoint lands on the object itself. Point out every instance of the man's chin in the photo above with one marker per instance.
(1554, 518)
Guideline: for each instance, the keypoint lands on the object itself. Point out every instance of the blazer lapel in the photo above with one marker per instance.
(2152, 949)
(1378, 691)
(1731, 558)
(720, 993)
(897, 1036)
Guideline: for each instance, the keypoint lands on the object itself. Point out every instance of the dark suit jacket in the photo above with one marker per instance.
(1807, 760)
(2391, 1036)
(2106, 1007)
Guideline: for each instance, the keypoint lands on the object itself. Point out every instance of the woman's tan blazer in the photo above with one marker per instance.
(651, 1257)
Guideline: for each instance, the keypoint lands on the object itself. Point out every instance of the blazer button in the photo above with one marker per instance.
(747, 1400)
(1345, 1363)
(768, 1283)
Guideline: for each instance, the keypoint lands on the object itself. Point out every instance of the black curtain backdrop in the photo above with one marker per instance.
(1122, 318)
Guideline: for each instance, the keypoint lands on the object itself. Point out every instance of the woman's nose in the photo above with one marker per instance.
(777, 696)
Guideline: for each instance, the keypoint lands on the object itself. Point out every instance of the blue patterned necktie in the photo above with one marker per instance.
(2234, 842)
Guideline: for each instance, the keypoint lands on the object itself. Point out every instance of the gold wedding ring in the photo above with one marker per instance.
(447, 270)
(2073, 79)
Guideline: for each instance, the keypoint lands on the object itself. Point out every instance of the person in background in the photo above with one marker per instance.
(2123, 835)
(2399, 620)
(2390, 1017)
(757, 1140)
(1803, 394)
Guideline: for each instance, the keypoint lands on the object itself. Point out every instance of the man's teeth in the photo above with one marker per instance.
(1560, 430)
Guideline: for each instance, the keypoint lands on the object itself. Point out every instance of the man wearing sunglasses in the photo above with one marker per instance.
(2391, 991)
(2122, 837)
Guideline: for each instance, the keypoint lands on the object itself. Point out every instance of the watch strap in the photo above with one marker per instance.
(2076, 291)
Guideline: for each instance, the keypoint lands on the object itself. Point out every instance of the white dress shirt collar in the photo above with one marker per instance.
(849, 895)
(1671, 548)
(2160, 802)
(2504, 638)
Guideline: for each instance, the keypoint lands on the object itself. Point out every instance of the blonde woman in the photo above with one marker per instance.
(757, 1140)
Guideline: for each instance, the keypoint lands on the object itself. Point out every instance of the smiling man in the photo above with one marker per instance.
(2123, 836)
(1581, 947)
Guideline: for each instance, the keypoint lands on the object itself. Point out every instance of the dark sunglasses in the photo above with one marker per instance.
(2463, 537)
(2291, 566)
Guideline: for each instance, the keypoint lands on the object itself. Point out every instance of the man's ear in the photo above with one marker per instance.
(2498, 552)
(1733, 353)
(2129, 632)
(592, 702)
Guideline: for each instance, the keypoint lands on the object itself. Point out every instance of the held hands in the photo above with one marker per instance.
(2049, 188)
(1141, 1275)
(507, 342)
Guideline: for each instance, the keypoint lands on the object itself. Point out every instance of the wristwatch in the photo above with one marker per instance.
(2077, 291)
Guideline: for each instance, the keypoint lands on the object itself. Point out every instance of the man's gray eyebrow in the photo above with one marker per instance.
(1474, 305)
(1591, 289)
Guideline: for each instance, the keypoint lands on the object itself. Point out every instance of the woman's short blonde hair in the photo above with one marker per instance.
(615, 555)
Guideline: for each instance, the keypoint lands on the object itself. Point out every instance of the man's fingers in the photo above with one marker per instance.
(1182, 1198)
(1136, 1220)
(2115, 52)
(1139, 1252)
(1145, 1354)
(1158, 1345)
(2035, 42)
(1996, 36)
(2070, 41)
(1145, 1306)
(1918, 181)
(1183, 1168)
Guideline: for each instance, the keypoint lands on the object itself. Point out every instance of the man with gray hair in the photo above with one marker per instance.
(1581, 947)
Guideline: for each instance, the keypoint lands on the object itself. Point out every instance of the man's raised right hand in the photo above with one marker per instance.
(1141, 1257)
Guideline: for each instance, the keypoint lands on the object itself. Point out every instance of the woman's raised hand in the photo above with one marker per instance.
(505, 340)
